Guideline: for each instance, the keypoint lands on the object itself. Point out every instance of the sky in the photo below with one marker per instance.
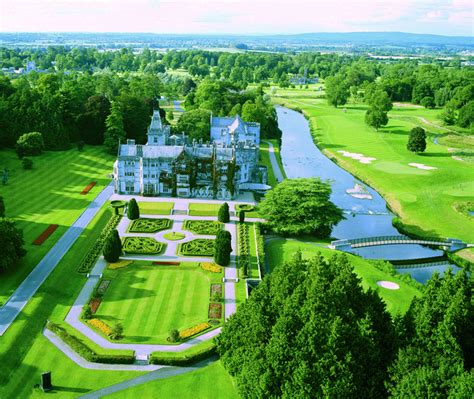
(445, 17)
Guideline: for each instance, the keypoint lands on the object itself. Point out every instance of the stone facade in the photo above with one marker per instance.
(169, 165)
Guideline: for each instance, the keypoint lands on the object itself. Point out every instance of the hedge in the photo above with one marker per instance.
(87, 353)
(183, 360)
(91, 257)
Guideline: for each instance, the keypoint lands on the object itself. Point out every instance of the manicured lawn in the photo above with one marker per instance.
(48, 194)
(424, 199)
(265, 161)
(25, 353)
(209, 382)
(155, 208)
(150, 300)
(203, 209)
(280, 250)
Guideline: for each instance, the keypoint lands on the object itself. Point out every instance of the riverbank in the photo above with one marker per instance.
(423, 199)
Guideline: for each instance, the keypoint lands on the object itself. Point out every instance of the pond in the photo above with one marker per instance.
(423, 274)
(365, 210)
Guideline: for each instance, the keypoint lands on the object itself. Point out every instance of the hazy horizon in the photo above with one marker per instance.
(242, 17)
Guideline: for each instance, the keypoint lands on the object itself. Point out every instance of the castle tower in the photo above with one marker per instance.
(157, 133)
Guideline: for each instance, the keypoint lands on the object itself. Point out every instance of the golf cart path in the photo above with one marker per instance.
(18, 300)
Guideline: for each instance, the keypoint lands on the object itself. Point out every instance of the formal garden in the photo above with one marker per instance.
(202, 227)
(197, 247)
(149, 300)
(142, 246)
(144, 225)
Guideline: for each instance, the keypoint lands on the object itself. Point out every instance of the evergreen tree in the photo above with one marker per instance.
(223, 215)
(114, 132)
(417, 140)
(11, 243)
(241, 216)
(133, 211)
(222, 248)
(112, 247)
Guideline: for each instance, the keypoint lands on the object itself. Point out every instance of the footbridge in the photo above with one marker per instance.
(450, 244)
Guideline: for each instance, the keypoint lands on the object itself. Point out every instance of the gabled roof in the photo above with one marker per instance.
(238, 126)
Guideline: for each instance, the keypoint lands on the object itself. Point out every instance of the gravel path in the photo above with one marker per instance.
(15, 304)
(273, 160)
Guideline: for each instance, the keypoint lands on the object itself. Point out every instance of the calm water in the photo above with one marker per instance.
(364, 217)
(423, 274)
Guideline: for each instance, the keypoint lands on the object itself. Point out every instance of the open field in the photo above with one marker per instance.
(25, 353)
(155, 208)
(280, 250)
(150, 300)
(423, 199)
(209, 382)
(48, 194)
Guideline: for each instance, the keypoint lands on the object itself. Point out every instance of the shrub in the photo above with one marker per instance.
(101, 326)
(183, 360)
(222, 248)
(142, 245)
(174, 335)
(223, 215)
(205, 227)
(117, 331)
(11, 240)
(241, 216)
(27, 163)
(210, 267)
(197, 247)
(2, 207)
(113, 247)
(30, 144)
(133, 211)
(144, 225)
(87, 313)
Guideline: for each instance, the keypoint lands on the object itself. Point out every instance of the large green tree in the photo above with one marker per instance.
(301, 206)
(223, 214)
(133, 211)
(112, 247)
(222, 248)
(11, 244)
(114, 132)
(196, 124)
(30, 144)
(337, 90)
(309, 331)
(417, 140)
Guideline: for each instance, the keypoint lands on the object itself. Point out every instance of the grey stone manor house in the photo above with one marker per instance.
(171, 165)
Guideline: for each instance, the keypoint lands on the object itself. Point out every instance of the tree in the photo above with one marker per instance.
(174, 335)
(133, 211)
(309, 330)
(466, 115)
(376, 118)
(27, 163)
(301, 206)
(2, 207)
(112, 247)
(196, 123)
(11, 243)
(437, 340)
(417, 140)
(114, 132)
(117, 331)
(223, 215)
(337, 90)
(92, 120)
(223, 248)
(30, 144)
(241, 216)
(428, 102)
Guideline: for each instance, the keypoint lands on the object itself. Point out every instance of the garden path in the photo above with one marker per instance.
(15, 304)
(273, 160)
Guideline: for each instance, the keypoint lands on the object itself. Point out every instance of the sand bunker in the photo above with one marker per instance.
(359, 191)
(389, 285)
(358, 157)
(422, 166)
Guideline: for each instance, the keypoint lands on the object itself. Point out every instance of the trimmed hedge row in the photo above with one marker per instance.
(183, 360)
(260, 247)
(83, 350)
(244, 249)
(91, 257)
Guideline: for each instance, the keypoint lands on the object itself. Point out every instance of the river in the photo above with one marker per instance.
(365, 217)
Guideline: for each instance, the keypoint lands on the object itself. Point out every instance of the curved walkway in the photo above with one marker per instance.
(15, 304)
(273, 160)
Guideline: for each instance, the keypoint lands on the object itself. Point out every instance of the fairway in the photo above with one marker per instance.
(424, 199)
(49, 194)
(281, 250)
(150, 300)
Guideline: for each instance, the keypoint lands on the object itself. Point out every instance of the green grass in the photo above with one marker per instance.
(155, 208)
(209, 382)
(265, 161)
(25, 353)
(281, 250)
(48, 194)
(423, 199)
(203, 209)
(151, 300)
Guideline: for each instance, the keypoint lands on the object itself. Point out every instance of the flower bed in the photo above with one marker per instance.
(198, 247)
(164, 263)
(104, 284)
(91, 257)
(203, 227)
(142, 245)
(149, 225)
(189, 332)
(211, 267)
(88, 188)
(101, 326)
(94, 304)
(215, 311)
(216, 289)
(45, 234)
(120, 264)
